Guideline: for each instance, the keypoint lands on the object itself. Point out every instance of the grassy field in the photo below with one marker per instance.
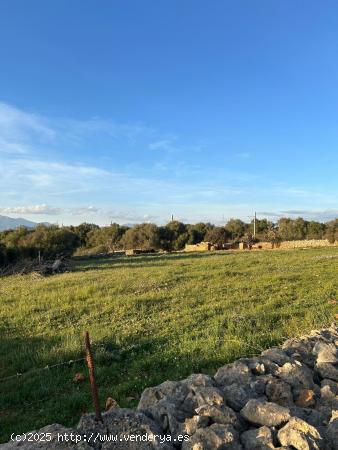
(151, 318)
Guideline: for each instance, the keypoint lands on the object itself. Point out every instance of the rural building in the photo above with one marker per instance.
(200, 247)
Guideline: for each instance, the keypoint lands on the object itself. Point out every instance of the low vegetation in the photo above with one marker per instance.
(151, 318)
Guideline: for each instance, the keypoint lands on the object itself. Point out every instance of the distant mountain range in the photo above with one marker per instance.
(8, 223)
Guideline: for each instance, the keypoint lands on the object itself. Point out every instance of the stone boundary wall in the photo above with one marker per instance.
(306, 243)
(285, 398)
(313, 243)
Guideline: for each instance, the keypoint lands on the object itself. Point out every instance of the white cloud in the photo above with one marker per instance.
(33, 209)
(319, 215)
(49, 210)
(307, 195)
(173, 145)
(31, 169)
(44, 178)
(324, 215)
(79, 211)
(18, 129)
(269, 214)
(25, 133)
(12, 118)
(131, 217)
(6, 146)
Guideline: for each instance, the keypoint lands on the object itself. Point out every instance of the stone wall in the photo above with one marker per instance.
(207, 246)
(285, 398)
(263, 245)
(306, 243)
(296, 244)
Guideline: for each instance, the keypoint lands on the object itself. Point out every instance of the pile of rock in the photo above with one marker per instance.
(38, 268)
(286, 398)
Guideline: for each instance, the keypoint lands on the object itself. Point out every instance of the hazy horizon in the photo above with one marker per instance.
(247, 219)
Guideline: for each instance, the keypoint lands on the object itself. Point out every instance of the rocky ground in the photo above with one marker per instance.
(286, 398)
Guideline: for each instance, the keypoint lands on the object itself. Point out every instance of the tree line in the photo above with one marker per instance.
(53, 241)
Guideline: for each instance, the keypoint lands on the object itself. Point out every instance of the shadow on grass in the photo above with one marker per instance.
(150, 260)
(37, 382)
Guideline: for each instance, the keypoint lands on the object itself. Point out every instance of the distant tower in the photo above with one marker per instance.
(172, 217)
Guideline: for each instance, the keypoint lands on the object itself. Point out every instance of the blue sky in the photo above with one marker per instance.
(129, 111)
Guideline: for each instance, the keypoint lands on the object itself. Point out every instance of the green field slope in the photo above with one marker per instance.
(151, 318)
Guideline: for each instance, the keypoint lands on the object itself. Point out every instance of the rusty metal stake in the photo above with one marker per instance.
(91, 369)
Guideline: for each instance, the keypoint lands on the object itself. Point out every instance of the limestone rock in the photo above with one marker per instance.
(189, 404)
(236, 395)
(238, 372)
(270, 366)
(301, 350)
(332, 386)
(168, 416)
(327, 370)
(298, 375)
(325, 352)
(255, 364)
(332, 432)
(192, 424)
(219, 414)
(150, 396)
(257, 439)
(111, 403)
(328, 395)
(209, 396)
(276, 355)
(89, 426)
(123, 422)
(312, 416)
(258, 385)
(198, 380)
(278, 391)
(215, 437)
(300, 435)
(265, 413)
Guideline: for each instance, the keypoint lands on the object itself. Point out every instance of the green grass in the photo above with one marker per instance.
(151, 318)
